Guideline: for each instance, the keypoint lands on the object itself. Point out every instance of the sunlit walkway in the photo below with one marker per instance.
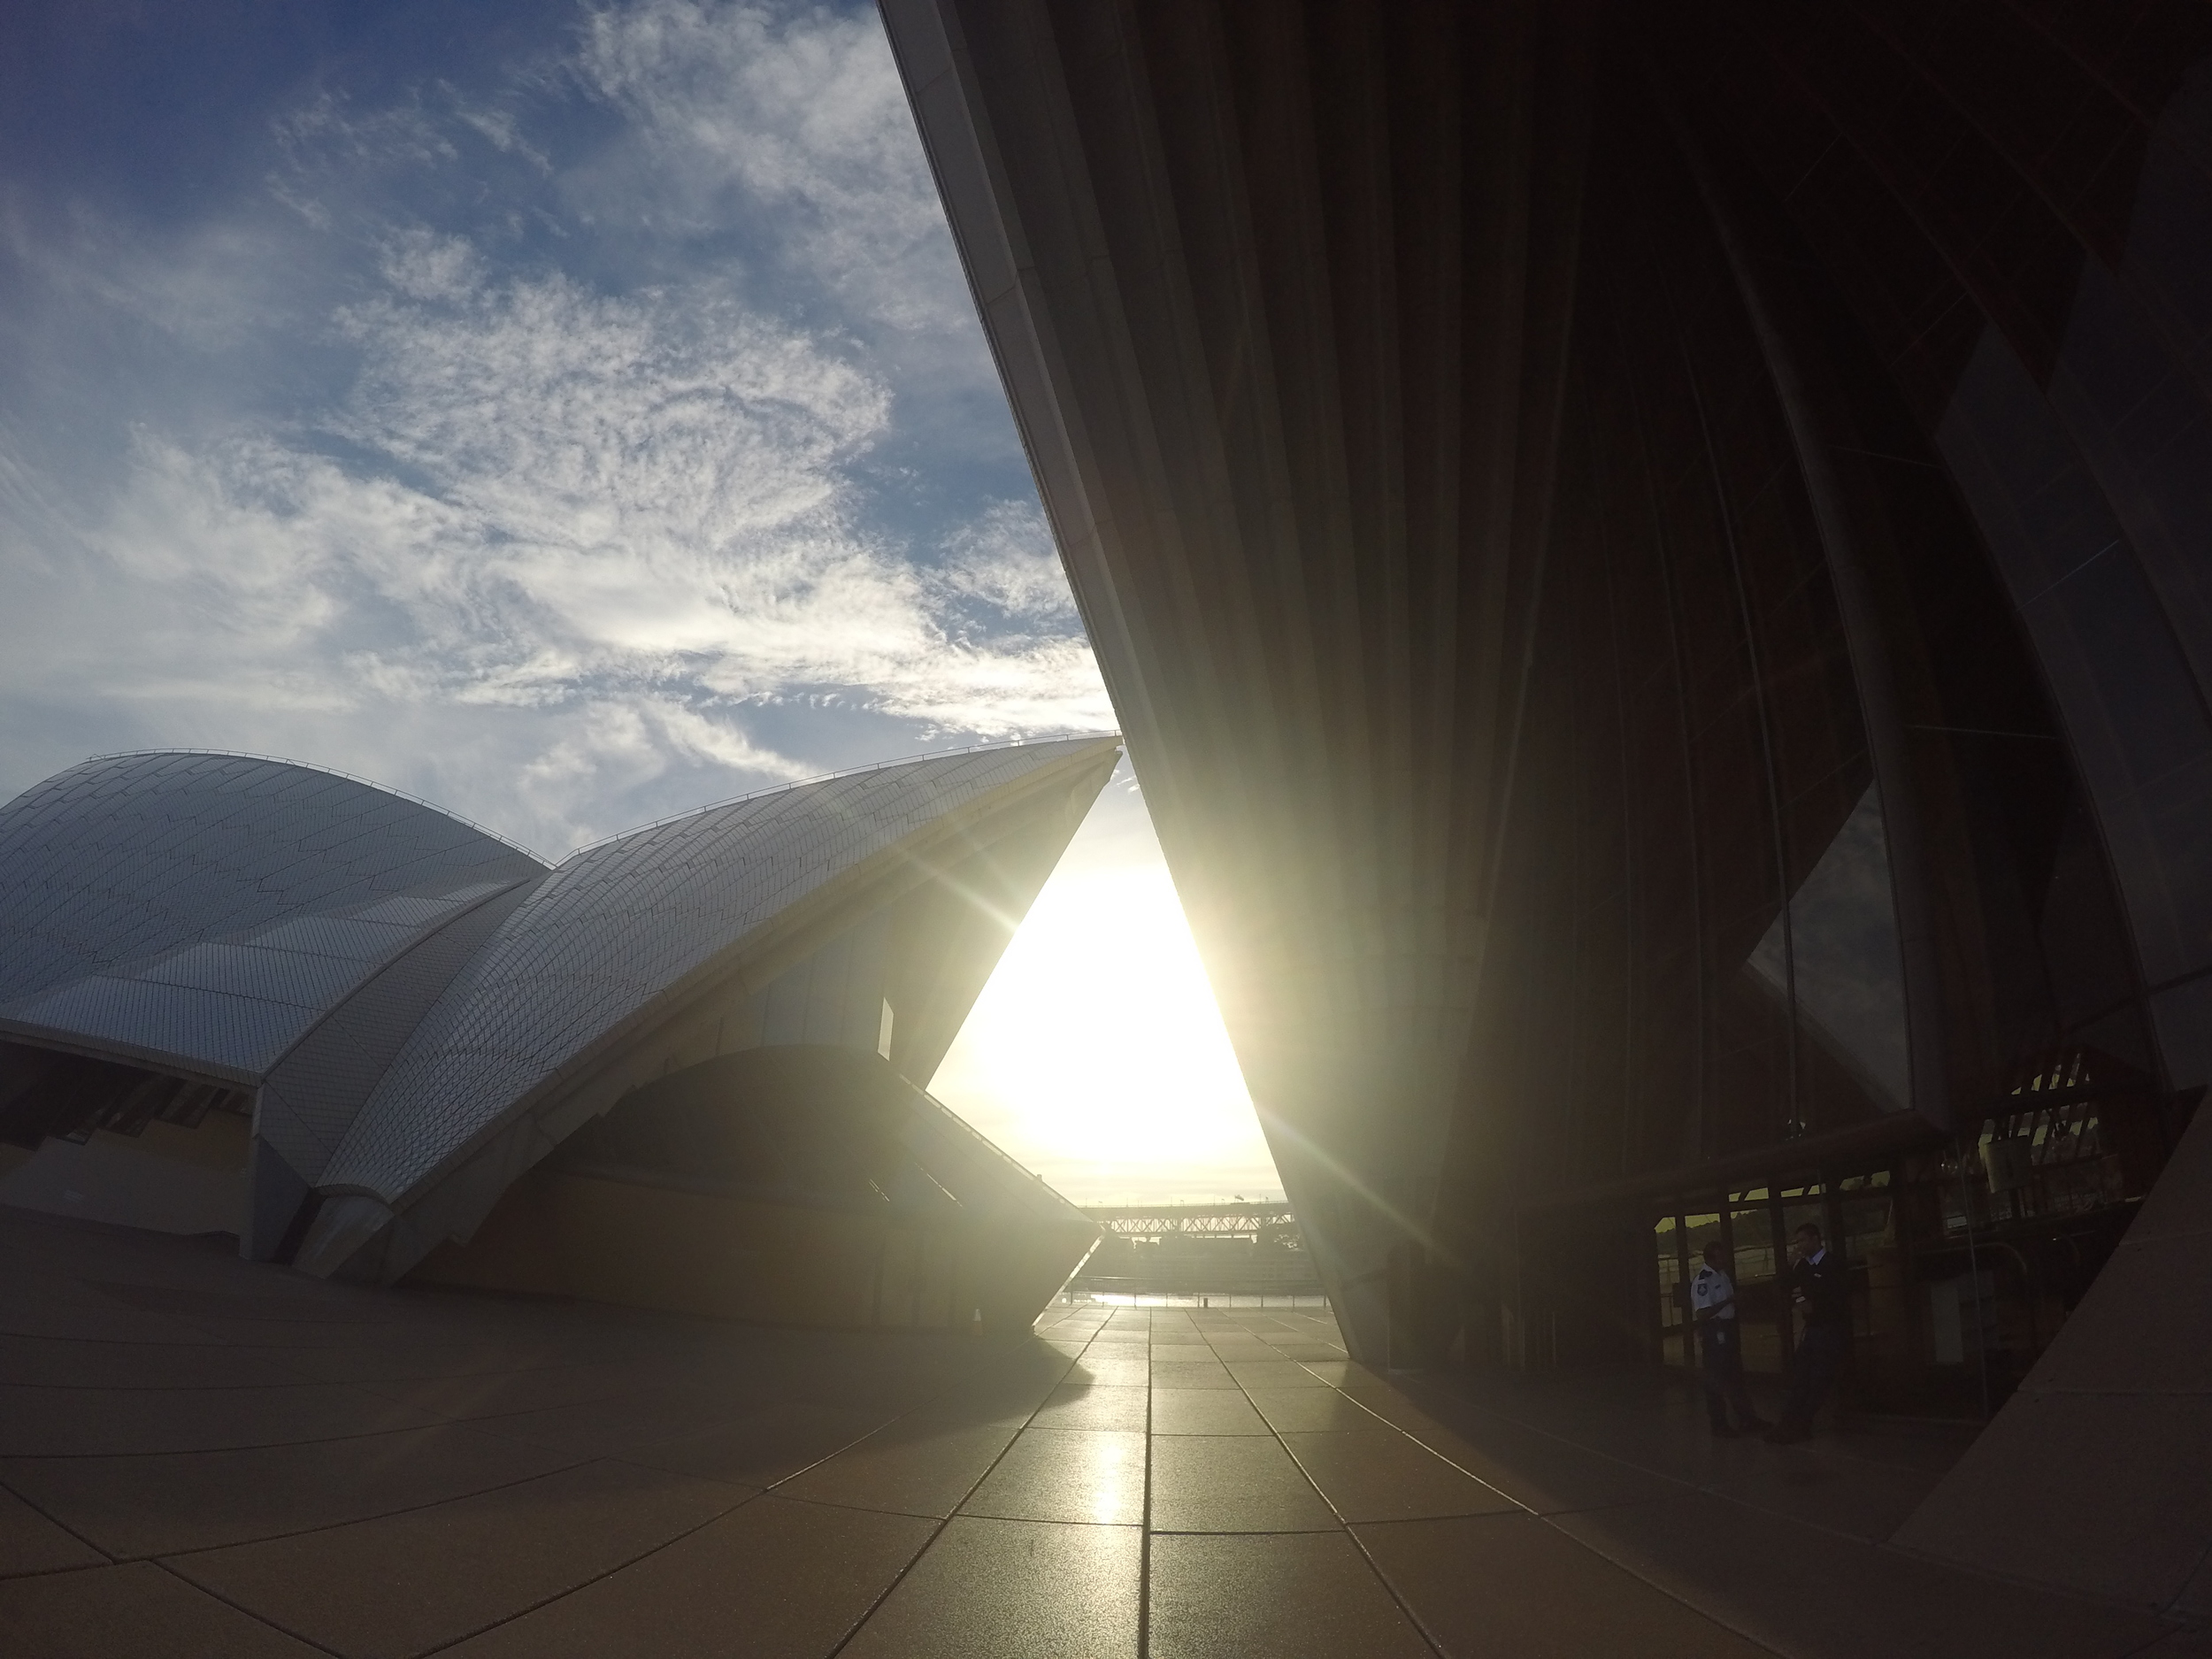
(203, 1457)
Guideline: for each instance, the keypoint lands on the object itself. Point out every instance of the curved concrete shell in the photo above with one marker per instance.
(194, 932)
(412, 1013)
(664, 947)
(203, 912)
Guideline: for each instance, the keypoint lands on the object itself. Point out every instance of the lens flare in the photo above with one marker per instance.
(1096, 1055)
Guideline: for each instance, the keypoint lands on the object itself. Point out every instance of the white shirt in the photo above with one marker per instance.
(1709, 1287)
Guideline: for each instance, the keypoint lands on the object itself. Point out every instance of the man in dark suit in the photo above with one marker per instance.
(1820, 1282)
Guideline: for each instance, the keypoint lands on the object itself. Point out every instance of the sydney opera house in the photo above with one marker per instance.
(1654, 564)
(244, 996)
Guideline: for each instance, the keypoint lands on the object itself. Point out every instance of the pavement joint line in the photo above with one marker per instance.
(2189, 1578)
(203, 1388)
(61, 1572)
(1704, 1487)
(958, 1515)
(1144, 1539)
(1488, 1486)
(1545, 1519)
(1692, 1489)
(489, 1418)
(938, 1530)
(559, 1596)
(2064, 1593)
(1344, 1527)
(357, 1520)
(40, 1509)
(245, 1612)
(751, 1496)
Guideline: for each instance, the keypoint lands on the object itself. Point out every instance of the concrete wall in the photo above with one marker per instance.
(164, 1178)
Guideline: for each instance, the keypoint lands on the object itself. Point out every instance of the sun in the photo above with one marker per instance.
(1096, 1054)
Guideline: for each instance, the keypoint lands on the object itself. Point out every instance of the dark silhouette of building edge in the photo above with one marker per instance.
(1652, 563)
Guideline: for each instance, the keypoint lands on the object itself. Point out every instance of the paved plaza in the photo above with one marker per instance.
(202, 1457)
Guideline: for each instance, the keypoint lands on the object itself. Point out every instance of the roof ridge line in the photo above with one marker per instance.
(829, 776)
(332, 772)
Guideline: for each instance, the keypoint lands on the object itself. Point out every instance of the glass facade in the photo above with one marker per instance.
(1856, 845)
(1966, 1255)
(1697, 897)
(2012, 206)
(1831, 416)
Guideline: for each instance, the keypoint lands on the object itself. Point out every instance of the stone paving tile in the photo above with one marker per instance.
(136, 1611)
(1813, 1594)
(992, 1589)
(597, 1494)
(1379, 1475)
(461, 1566)
(917, 1466)
(1112, 1370)
(772, 1580)
(149, 1505)
(509, 1393)
(1510, 1587)
(1086, 1405)
(1204, 1411)
(29, 1542)
(59, 1363)
(1182, 1353)
(760, 1448)
(119, 1422)
(1207, 1376)
(1807, 1483)
(1074, 1475)
(1310, 1411)
(1546, 1473)
(75, 1322)
(371, 1364)
(1274, 1373)
(1231, 1484)
(1281, 1596)
(2132, 1488)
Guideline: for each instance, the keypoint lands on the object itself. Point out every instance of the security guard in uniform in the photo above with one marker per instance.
(1713, 1311)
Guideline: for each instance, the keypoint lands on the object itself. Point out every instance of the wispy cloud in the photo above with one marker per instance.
(1004, 557)
(742, 110)
(601, 451)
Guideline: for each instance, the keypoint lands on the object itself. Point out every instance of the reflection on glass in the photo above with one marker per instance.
(1842, 943)
(1673, 1292)
(1760, 1260)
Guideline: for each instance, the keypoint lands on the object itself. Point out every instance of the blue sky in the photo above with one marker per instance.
(571, 414)
(568, 413)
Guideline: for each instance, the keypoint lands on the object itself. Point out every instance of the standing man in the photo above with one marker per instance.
(1713, 1311)
(1820, 1282)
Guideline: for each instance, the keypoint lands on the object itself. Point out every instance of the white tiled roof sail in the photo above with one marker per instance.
(620, 926)
(207, 910)
(311, 1098)
(412, 1000)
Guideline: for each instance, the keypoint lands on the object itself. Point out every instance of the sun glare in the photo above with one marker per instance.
(1096, 1055)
